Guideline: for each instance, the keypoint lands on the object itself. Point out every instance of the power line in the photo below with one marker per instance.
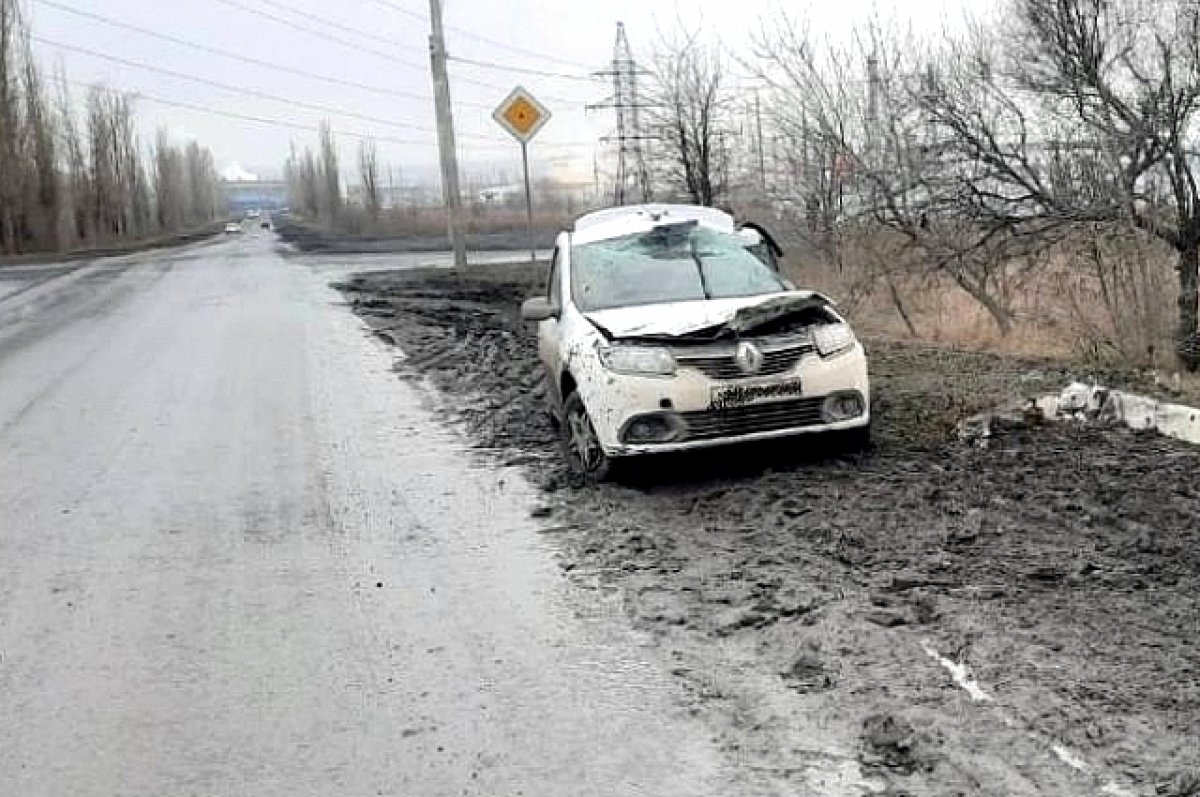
(504, 67)
(140, 95)
(328, 23)
(344, 42)
(319, 34)
(421, 67)
(273, 97)
(245, 58)
(226, 86)
(477, 37)
(325, 109)
(401, 9)
(289, 125)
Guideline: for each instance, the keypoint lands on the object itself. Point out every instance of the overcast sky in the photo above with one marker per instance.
(382, 45)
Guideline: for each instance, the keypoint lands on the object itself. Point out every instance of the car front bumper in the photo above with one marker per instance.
(685, 403)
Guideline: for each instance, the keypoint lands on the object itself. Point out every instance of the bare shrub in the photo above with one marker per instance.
(1117, 281)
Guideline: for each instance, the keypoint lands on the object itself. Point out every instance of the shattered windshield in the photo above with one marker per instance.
(675, 263)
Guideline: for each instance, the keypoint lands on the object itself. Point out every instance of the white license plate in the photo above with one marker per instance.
(724, 398)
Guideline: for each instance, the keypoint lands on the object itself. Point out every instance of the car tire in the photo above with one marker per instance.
(581, 447)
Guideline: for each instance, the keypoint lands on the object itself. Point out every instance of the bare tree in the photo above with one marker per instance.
(203, 202)
(10, 126)
(170, 184)
(43, 191)
(687, 111)
(330, 176)
(368, 168)
(862, 156)
(77, 223)
(1082, 111)
(64, 184)
(303, 177)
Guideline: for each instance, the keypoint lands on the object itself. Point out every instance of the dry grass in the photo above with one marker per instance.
(1105, 298)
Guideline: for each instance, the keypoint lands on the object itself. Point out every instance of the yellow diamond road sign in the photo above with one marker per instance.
(521, 115)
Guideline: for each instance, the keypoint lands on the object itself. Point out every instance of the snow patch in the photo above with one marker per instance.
(958, 672)
(1140, 413)
(1082, 403)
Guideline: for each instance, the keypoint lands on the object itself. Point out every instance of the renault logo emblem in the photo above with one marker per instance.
(748, 357)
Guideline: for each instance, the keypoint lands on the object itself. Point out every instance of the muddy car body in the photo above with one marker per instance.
(663, 329)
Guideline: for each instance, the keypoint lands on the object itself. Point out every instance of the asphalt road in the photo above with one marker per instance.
(239, 557)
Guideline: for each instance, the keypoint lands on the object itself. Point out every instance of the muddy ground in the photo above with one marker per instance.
(1016, 619)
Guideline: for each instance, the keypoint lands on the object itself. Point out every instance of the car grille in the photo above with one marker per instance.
(723, 366)
(773, 417)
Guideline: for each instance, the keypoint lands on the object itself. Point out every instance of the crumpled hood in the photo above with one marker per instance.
(681, 318)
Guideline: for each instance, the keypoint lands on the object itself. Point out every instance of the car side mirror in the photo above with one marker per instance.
(538, 309)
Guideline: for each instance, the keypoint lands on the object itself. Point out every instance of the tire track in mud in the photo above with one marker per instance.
(797, 590)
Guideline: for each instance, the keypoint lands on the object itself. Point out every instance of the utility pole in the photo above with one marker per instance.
(445, 129)
(762, 157)
(873, 141)
(872, 98)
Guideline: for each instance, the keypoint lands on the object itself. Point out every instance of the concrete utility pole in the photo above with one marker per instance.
(872, 98)
(445, 128)
(762, 158)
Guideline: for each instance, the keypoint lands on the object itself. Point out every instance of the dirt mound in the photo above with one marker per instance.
(892, 742)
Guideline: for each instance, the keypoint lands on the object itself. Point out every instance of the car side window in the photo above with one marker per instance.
(554, 287)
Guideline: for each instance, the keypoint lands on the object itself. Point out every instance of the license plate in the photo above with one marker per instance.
(724, 398)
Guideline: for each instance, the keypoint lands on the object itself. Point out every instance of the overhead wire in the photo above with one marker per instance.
(249, 92)
(520, 69)
(318, 33)
(493, 140)
(346, 42)
(141, 95)
(329, 23)
(290, 125)
(479, 37)
(226, 86)
(204, 48)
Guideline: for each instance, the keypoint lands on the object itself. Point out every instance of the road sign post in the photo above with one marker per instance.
(523, 116)
(528, 202)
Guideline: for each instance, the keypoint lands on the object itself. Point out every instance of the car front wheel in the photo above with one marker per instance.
(581, 446)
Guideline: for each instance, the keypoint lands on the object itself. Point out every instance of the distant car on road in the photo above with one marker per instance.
(667, 328)
(265, 224)
(232, 227)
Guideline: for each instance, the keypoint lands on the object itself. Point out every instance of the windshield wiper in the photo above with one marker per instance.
(695, 252)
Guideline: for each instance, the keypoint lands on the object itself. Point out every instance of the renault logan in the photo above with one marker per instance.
(666, 328)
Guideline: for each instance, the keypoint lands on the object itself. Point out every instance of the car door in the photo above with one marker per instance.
(550, 330)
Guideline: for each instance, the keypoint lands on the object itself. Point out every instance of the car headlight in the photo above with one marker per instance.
(640, 360)
(831, 339)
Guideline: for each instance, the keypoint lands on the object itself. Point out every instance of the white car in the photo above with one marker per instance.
(232, 228)
(666, 328)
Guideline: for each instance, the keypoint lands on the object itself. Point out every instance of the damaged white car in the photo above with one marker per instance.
(666, 328)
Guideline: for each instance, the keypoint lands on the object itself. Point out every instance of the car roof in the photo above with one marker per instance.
(601, 225)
